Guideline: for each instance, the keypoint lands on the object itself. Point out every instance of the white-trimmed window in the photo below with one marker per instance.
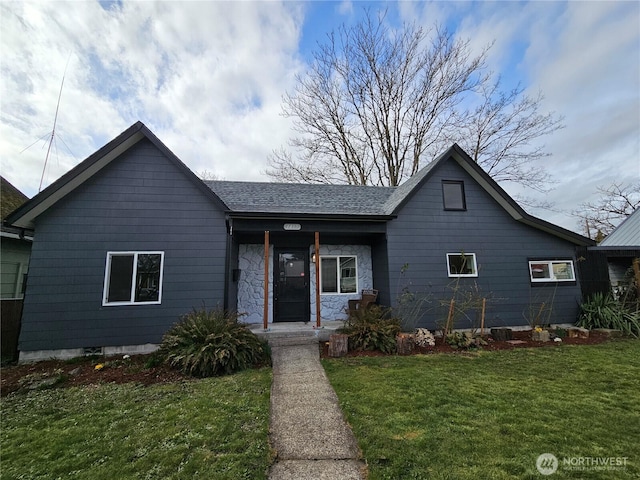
(462, 265)
(338, 274)
(551, 271)
(133, 278)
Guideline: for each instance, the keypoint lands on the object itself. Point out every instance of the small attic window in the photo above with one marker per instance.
(453, 195)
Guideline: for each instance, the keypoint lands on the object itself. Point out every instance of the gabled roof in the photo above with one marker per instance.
(10, 198)
(409, 188)
(627, 234)
(25, 215)
(368, 202)
(358, 202)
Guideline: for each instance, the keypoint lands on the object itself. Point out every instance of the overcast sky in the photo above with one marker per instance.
(208, 78)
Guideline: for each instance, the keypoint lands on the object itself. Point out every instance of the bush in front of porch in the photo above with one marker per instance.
(209, 343)
(372, 328)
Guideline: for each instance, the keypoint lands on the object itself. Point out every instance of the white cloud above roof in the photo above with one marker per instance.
(208, 78)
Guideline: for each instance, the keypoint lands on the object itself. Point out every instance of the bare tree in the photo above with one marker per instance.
(207, 175)
(500, 134)
(376, 104)
(616, 202)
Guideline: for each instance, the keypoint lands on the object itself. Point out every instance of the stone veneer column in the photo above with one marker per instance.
(251, 282)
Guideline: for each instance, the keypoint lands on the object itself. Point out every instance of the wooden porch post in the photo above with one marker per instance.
(265, 312)
(317, 253)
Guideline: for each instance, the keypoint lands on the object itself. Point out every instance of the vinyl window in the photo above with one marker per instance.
(338, 274)
(133, 278)
(462, 265)
(551, 271)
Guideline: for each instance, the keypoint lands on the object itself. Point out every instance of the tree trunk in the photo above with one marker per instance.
(501, 334)
(338, 345)
(404, 343)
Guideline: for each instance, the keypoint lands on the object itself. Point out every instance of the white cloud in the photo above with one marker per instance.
(345, 7)
(206, 77)
(584, 57)
(589, 70)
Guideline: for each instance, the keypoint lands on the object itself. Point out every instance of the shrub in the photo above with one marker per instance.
(372, 329)
(207, 343)
(464, 340)
(604, 311)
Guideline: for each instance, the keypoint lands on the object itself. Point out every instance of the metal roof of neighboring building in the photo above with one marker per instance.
(627, 234)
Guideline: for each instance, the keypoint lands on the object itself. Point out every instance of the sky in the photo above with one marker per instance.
(207, 77)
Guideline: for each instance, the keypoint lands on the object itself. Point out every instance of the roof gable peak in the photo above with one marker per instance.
(25, 216)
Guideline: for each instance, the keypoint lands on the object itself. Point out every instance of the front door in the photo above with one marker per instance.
(291, 285)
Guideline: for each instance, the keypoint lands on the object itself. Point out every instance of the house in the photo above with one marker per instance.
(15, 247)
(610, 265)
(130, 239)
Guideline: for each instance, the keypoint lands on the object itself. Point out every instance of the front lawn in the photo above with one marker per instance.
(211, 428)
(491, 414)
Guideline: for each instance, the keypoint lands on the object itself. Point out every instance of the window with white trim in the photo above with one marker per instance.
(133, 278)
(551, 271)
(338, 274)
(462, 265)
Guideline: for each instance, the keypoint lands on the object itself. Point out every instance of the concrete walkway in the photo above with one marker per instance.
(308, 431)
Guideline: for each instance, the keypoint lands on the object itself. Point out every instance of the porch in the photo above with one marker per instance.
(294, 332)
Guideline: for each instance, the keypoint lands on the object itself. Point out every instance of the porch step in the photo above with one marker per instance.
(282, 340)
(296, 333)
(298, 337)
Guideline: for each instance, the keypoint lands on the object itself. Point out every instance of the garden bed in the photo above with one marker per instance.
(519, 339)
(82, 371)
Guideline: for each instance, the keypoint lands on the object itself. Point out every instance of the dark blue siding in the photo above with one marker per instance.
(424, 233)
(139, 202)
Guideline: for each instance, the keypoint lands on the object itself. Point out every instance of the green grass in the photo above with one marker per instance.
(211, 428)
(490, 414)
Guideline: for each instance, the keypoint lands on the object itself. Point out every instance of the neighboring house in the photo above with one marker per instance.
(15, 242)
(15, 248)
(609, 266)
(130, 239)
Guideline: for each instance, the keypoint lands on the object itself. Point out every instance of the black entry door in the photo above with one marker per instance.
(291, 285)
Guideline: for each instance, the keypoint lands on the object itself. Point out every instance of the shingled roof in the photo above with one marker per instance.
(262, 197)
(10, 198)
(322, 199)
(282, 198)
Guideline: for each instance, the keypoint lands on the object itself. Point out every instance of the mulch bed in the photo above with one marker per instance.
(137, 368)
(82, 371)
(523, 336)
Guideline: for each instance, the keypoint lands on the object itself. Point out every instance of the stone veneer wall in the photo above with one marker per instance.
(251, 283)
(332, 307)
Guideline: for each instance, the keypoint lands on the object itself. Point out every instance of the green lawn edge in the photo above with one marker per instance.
(491, 414)
(210, 428)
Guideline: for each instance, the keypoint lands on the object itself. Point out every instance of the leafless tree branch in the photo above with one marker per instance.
(377, 104)
(616, 201)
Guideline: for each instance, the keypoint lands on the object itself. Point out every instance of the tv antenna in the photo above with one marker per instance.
(53, 131)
